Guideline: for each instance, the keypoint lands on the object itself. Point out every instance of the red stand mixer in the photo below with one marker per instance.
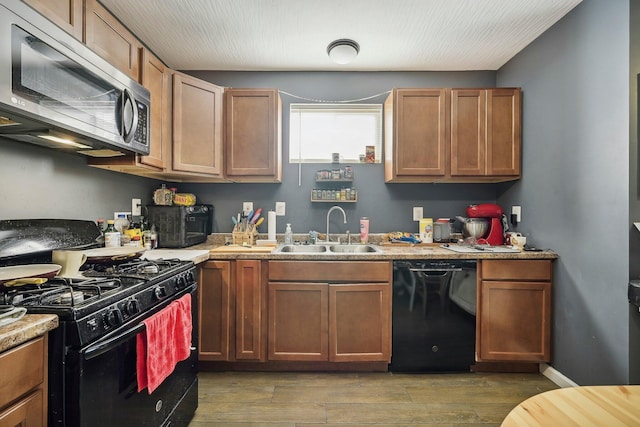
(497, 221)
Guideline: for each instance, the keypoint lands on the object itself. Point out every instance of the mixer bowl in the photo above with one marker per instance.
(475, 227)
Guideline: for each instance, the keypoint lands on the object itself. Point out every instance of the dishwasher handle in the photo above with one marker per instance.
(435, 270)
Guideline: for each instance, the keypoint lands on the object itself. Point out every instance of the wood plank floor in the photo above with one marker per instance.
(361, 399)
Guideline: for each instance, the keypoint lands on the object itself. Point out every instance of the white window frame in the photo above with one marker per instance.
(340, 137)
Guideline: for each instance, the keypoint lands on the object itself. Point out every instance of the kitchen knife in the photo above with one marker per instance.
(256, 215)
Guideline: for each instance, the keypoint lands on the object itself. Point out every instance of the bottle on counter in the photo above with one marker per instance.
(364, 230)
(111, 235)
(288, 235)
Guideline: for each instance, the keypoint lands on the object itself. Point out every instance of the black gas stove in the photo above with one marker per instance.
(93, 353)
(106, 296)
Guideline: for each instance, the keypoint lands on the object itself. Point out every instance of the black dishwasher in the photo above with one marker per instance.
(434, 315)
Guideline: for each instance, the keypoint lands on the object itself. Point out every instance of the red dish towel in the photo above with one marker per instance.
(165, 342)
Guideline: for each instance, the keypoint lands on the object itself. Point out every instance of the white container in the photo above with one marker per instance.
(112, 239)
(426, 230)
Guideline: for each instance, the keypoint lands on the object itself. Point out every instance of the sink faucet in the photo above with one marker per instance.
(344, 215)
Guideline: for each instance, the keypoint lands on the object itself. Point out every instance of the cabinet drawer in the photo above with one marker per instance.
(516, 270)
(330, 271)
(27, 412)
(23, 369)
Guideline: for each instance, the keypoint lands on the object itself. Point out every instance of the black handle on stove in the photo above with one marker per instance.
(101, 347)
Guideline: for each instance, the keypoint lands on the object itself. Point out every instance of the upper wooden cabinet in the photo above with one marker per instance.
(485, 133)
(253, 135)
(106, 36)
(416, 134)
(67, 14)
(453, 135)
(197, 129)
(156, 77)
(514, 311)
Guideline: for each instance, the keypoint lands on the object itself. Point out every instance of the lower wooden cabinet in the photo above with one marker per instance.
(232, 307)
(337, 312)
(298, 321)
(514, 311)
(23, 388)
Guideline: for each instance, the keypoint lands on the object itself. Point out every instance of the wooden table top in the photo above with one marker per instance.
(579, 406)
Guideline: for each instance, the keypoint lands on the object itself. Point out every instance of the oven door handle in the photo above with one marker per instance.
(101, 347)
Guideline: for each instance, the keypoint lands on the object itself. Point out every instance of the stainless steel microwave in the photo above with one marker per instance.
(56, 92)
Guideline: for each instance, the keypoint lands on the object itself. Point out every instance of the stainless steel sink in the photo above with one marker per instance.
(353, 249)
(327, 248)
(301, 249)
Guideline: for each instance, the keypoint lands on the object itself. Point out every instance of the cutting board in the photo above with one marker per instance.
(489, 249)
(242, 249)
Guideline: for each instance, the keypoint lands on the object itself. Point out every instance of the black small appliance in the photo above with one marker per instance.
(181, 226)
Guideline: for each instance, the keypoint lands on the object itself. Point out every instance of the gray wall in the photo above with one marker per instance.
(389, 206)
(634, 189)
(39, 182)
(575, 185)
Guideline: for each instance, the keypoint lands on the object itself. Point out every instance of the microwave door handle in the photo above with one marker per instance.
(125, 118)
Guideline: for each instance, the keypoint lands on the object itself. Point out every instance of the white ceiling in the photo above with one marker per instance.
(394, 35)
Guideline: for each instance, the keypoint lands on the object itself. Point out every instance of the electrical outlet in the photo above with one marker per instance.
(517, 211)
(247, 207)
(136, 207)
(417, 213)
(280, 208)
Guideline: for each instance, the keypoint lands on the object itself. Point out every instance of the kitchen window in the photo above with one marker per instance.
(318, 130)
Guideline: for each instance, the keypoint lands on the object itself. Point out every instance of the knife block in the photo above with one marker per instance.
(244, 234)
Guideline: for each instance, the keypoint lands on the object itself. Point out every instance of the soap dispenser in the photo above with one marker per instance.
(288, 235)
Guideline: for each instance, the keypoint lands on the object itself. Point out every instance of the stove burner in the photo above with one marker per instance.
(61, 292)
(137, 269)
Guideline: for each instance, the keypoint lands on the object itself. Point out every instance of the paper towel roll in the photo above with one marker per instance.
(271, 231)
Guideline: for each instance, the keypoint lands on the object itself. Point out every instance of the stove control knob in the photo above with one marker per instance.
(131, 307)
(113, 317)
(160, 292)
(181, 282)
(190, 277)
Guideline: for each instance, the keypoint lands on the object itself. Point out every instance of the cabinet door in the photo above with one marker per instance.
(157, 79)
(250, 342)
(197, 126)
(416, 134)
(514, 321)
(468, 138)
(216, 300)
(253, 142)
(298, 321)
(360, 322)
(106, 36)
(503, 132)
(67, 14)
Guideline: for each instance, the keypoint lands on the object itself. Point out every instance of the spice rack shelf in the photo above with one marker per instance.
(334, 186)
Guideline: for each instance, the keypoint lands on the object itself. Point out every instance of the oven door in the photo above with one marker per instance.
(101, 387)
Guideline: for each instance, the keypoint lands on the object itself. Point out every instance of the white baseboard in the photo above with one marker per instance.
(555, 376)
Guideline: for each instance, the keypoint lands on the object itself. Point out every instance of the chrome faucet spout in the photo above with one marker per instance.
(344, 215)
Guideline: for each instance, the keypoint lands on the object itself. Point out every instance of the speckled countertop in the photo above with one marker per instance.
(387, 252)
(25, 329)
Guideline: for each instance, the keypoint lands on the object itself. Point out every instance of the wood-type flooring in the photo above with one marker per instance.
(294, 399)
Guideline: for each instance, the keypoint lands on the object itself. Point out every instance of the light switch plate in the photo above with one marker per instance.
(280, 208)
(417, 213)
(247, 207)
(517, 211)
(136, 207)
